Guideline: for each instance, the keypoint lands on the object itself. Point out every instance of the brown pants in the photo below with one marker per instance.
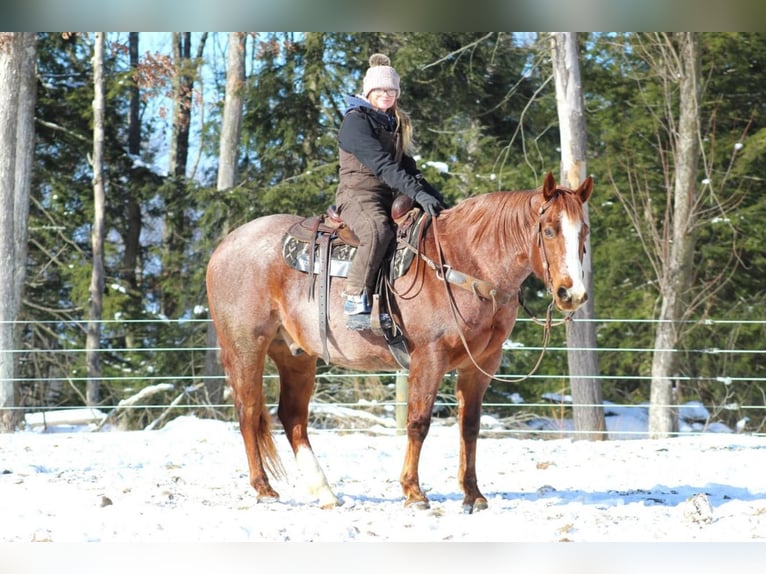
(368, 214)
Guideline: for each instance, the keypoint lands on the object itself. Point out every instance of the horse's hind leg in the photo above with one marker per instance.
(245, 373)
(296, 384)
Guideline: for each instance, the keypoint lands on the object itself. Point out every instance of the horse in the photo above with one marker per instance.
(259, 308)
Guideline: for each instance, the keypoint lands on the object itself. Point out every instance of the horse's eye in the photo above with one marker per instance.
(549, 232)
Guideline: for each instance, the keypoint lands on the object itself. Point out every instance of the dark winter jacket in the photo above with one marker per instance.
(371, 155)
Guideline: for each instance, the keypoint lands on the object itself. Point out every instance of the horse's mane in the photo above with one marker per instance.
(502, 218)
(497, 218)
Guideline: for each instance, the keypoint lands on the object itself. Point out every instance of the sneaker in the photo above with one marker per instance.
(357, 305)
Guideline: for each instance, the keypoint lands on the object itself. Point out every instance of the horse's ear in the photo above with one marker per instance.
(585, 189)
(549, 186)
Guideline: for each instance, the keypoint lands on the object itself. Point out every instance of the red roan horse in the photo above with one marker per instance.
(259, 306)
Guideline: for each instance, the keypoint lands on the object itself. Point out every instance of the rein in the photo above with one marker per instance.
(482, 289)
(487, 291)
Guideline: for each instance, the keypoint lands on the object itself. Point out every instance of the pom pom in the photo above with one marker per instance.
(379, 60)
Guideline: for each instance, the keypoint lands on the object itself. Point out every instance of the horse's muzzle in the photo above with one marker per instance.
(569, 300)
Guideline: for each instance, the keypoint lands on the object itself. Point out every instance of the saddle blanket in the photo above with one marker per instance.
(297, 254)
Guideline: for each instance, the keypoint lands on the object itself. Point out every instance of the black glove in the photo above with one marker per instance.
(430, 189)
(430, 204)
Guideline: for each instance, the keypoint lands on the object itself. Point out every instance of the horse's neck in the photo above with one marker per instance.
(492, 239)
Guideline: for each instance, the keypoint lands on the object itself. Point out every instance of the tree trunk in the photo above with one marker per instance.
(177, 229)
(677, 270)
(17, 101)
(183, 83)
(587, 399)
(132, 234)
(25, 151)
(231, 124)
(93, 343)
(231, 130)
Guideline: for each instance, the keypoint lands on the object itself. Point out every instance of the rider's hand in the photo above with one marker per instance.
(430, 189)
(431, 205)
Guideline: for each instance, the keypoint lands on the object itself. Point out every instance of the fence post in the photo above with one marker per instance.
(401, 401)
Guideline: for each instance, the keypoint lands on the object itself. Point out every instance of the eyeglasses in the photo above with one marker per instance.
(380, 91)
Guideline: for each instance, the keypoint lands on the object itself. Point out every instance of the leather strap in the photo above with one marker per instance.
(312, 251)
(324, 290)
(375, 326)
(479, 287)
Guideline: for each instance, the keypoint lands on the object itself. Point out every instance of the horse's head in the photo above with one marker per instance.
(562, 233)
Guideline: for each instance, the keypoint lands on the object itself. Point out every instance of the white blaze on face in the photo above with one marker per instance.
(571, 233)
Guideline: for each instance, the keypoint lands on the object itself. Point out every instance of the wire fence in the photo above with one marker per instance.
(154, 370)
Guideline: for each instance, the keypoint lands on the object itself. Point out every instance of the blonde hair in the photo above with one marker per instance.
(404, 128)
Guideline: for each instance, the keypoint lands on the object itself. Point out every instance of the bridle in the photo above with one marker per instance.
(547, 279)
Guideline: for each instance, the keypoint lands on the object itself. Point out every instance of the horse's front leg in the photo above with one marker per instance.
(471, 386)
(421, 394)
(296, 378)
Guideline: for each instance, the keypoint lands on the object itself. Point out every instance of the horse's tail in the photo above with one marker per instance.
(269, 454)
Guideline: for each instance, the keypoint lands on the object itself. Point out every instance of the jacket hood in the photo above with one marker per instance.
(354, 102)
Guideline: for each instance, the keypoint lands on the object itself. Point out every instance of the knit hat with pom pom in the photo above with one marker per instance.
(380, 75)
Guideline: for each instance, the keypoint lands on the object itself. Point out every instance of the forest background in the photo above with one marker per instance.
(485, 115)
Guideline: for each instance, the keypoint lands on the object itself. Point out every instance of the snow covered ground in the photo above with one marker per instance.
(188, 483)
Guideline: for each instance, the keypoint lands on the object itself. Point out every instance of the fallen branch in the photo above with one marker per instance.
(132, 400)
(174, 403)
(337, 413)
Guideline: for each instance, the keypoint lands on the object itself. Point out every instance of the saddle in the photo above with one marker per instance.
(403, 211)
(323, 246)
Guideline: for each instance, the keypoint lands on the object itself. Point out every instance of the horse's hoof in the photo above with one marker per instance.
(417, 504)
(330, 503)
(478, 505)
(267, 499)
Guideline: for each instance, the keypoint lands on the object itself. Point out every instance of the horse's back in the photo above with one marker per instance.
(254, 239)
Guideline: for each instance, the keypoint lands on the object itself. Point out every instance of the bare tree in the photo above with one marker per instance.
(683, 54)
(668, 235)
(231, 130)
(177, 228)
(17, 101)
(98, 233)
(581, 335)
